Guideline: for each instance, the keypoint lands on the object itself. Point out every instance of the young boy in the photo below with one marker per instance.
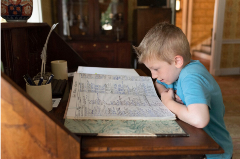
(185, 85)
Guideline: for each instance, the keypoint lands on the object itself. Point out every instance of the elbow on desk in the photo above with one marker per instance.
(198, 115)
(200, 123)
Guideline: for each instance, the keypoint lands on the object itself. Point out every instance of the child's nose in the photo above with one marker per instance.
(154, 75)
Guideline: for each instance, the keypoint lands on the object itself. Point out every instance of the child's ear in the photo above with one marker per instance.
(178, 60)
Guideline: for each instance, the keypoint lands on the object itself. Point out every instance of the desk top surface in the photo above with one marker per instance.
(197, 143)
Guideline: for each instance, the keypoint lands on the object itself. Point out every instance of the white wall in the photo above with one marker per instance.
(37, 12)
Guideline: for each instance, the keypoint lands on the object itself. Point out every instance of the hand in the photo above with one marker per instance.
(178, 99)
(167, 95)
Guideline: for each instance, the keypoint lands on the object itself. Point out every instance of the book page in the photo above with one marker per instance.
(107, 71)
(115, 97)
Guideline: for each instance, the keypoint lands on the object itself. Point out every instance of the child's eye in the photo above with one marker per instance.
(155, 69)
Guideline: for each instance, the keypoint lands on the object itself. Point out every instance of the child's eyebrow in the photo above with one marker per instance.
(154, 68)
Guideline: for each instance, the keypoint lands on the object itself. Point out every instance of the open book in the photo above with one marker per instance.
(115, 97)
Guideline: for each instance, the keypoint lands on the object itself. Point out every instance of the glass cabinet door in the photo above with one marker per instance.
(76, 18)
(93, 19)
(111, 19)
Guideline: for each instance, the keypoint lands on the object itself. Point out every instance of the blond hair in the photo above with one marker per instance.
(163, 41)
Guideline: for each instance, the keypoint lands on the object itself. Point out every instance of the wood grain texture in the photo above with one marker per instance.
(145, 18)
(28, 131)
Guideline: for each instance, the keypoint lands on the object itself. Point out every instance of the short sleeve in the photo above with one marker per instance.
(196, 89)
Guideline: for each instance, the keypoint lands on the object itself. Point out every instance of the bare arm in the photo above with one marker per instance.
(195, 114)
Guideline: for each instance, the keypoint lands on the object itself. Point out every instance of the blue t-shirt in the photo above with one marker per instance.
(196, 85)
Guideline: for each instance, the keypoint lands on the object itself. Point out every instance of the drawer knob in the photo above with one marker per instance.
(81, 46)
(94, 45)
(106, 46)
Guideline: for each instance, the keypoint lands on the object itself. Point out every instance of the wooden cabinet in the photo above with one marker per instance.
(104, 54)
(145, 18)
(97, 31)
(93, 19)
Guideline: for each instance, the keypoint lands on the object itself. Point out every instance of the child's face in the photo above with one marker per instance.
(163, 71)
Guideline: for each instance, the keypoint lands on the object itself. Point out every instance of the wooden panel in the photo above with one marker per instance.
(22, 46)
(91, 46)
(5, 53)
(145, 19)
(106, 46)
(100, 58)
(19, 53)
(124, 54)
(27, 129)
(104, 54)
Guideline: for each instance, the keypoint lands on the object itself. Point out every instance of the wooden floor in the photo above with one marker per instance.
(230, 86)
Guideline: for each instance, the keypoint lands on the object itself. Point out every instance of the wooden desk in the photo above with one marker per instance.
(194, 146)
(21, 48)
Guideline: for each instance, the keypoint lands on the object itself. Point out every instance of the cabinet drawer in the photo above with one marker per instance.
(99, 59)
(79, 47)
(88, 47)
(104, 54)
(105, 46)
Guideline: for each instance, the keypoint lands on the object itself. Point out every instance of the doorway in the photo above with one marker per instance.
(195, 18)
